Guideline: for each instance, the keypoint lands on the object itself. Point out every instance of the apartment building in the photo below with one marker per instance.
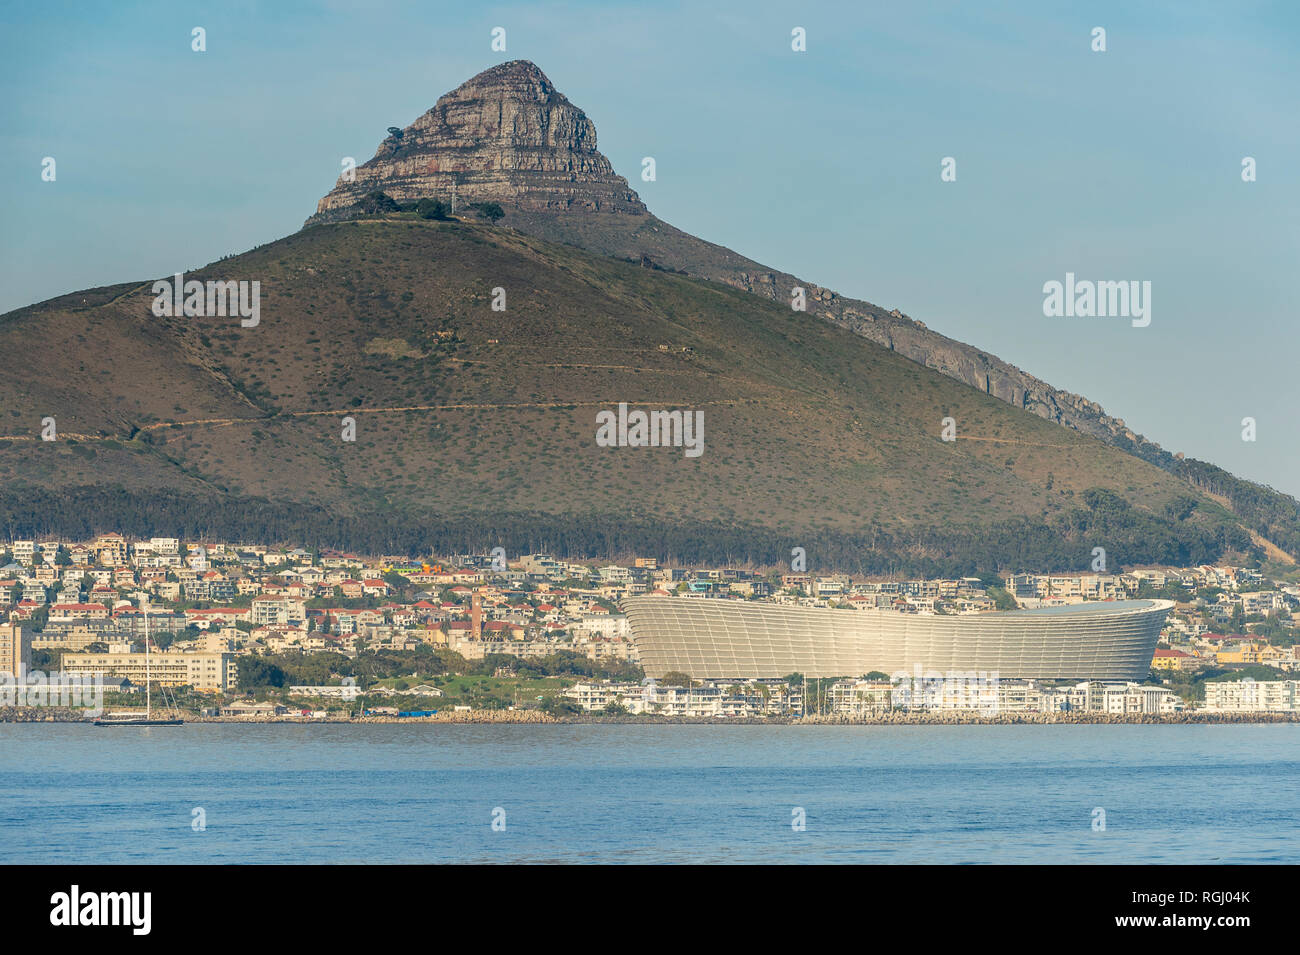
(1166, 659)
(206, 672)
(699, 701)
(1122, 699)
(861, 697)
(278, 612)
(73, 639)
(1252, 696)
(111, 549)
(15, 649)
(597, 696)
(608, 625)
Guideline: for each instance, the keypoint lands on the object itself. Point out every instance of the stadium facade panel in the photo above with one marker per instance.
(710, 638)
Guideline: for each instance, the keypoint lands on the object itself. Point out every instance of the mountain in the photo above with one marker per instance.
(475, 426)
(507, 136)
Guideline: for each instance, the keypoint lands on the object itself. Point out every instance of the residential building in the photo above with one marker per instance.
(1252, 696)
(15, 649)
(207, 672)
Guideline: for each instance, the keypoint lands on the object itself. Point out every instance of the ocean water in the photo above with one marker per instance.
(639, 793)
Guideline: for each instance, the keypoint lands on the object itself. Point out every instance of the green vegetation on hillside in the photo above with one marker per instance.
(475, 428)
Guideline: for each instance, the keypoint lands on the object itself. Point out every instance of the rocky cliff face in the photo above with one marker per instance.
(508, 136)
(505, 136)
(967, 364)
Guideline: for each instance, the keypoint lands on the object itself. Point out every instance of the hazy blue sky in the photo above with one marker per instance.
(1117, 165)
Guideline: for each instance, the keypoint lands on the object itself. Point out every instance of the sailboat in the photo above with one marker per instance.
(135, 719)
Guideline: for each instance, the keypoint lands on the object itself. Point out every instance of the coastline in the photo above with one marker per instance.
(535, 717)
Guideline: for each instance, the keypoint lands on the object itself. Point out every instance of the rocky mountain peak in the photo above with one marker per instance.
(506, 135)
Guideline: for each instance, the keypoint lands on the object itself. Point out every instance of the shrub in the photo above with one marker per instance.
(491, 211)
(377, 203)
(431, 209)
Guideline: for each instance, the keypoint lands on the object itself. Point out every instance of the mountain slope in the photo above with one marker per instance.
(507, 136)
(473, 426)
(812, 434)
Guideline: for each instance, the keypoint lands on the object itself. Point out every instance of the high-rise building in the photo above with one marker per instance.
(15, 649)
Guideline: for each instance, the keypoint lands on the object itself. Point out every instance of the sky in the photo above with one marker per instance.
(1117, 165)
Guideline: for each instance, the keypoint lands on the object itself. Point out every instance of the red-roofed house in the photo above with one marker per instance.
(1172, 660)
(216, 617)
(78, 612)
(502, 630)
(25, 609)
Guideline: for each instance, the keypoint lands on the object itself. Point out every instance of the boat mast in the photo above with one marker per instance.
(148, 699)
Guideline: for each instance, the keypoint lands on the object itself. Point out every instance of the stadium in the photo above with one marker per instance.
(735, 639)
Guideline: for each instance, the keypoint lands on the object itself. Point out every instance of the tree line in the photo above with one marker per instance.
(1180, 536)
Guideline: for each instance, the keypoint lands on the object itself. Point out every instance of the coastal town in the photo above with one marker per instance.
(262, 632)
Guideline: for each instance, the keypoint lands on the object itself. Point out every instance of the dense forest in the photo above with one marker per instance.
(1180, 536)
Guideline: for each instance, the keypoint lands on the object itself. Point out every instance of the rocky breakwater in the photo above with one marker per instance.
(470, 716)
(42, 714)
(896, 718)
(441, 716)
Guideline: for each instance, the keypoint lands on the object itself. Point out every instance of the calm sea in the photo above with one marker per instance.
(583, 793)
